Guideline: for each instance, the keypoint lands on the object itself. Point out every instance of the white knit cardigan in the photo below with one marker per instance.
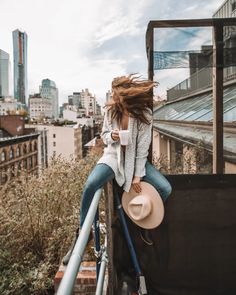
(136, 151)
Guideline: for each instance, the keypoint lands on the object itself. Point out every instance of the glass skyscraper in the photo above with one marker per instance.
(49, 90)
(20, 66)
(4, 74)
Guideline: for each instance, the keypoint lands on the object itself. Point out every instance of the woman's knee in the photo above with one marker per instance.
(98, 177)
(90, 186)
(158, 180)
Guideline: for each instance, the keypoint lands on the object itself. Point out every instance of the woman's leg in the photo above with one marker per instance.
(162, 185)
(97, 178)
(101, 174)
(155, 178)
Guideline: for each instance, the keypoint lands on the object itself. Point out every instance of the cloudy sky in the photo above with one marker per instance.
(84, 44)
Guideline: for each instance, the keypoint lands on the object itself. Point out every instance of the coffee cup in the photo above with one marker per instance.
(124, 137)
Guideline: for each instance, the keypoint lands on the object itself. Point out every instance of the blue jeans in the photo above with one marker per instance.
(102, 173)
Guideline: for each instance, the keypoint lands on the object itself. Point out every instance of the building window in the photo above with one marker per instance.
(25, 149)
(11, 155)
(30, 163)
(3, 156)
(36, 160)
(31, 146)
(54, 135)
(54, 143)
(35, 146)
(18, 151)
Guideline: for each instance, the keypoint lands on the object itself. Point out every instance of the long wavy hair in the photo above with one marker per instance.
(131, 94)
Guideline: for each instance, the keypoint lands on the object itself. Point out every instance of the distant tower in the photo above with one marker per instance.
(20, 66)
(4, 74)
(75, 99)
(108, 95)
(49, 90)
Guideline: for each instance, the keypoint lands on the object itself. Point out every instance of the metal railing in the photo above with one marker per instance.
(200, 80)
(102, 271)
(67, 284)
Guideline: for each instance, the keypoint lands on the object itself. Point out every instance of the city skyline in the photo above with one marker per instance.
(84, 50)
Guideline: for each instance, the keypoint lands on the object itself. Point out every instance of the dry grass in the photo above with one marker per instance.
(38, 218)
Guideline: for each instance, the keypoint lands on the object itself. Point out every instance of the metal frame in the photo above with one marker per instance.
(67, 284)
(217, 25)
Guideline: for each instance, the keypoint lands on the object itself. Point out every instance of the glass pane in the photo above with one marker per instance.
(230, 116)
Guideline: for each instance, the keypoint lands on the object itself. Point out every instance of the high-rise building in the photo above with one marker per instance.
(4, 74)
(228, 9)
(39, 107)
(75, 99)
(98, 109)
(88, 102)
(108, 95)
(20, 66)
(49, 90)
(82, 103)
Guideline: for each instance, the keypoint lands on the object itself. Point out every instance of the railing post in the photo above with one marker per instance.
(101, 277)
(67, 284)
(109, 199)
(218, 160)
(97, 241)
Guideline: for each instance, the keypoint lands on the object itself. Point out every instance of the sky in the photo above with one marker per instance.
(85, 44)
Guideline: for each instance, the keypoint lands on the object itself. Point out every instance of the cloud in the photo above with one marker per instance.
(84, 44)
(169, 78)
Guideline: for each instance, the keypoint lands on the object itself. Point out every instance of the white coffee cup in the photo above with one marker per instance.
(124, 137)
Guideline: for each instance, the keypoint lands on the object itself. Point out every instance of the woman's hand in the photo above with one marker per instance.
(136, 184)
(115, 134)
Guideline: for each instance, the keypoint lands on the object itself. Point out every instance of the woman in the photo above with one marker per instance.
(129, 109)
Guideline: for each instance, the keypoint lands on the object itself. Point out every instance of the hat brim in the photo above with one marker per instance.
(157, 214)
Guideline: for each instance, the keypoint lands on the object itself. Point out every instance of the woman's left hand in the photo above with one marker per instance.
(136, 184)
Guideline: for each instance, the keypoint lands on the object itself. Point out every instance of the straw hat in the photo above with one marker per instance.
(146, 208)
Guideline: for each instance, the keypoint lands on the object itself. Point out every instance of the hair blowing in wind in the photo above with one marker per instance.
(131, 94)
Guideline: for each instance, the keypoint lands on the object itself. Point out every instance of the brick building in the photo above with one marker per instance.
(18, 148)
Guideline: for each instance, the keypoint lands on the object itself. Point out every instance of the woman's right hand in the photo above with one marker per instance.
(115, 134)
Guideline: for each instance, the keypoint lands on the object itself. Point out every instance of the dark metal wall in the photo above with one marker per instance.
(194, 250)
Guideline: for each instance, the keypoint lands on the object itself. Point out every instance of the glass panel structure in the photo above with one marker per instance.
(198, 108)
